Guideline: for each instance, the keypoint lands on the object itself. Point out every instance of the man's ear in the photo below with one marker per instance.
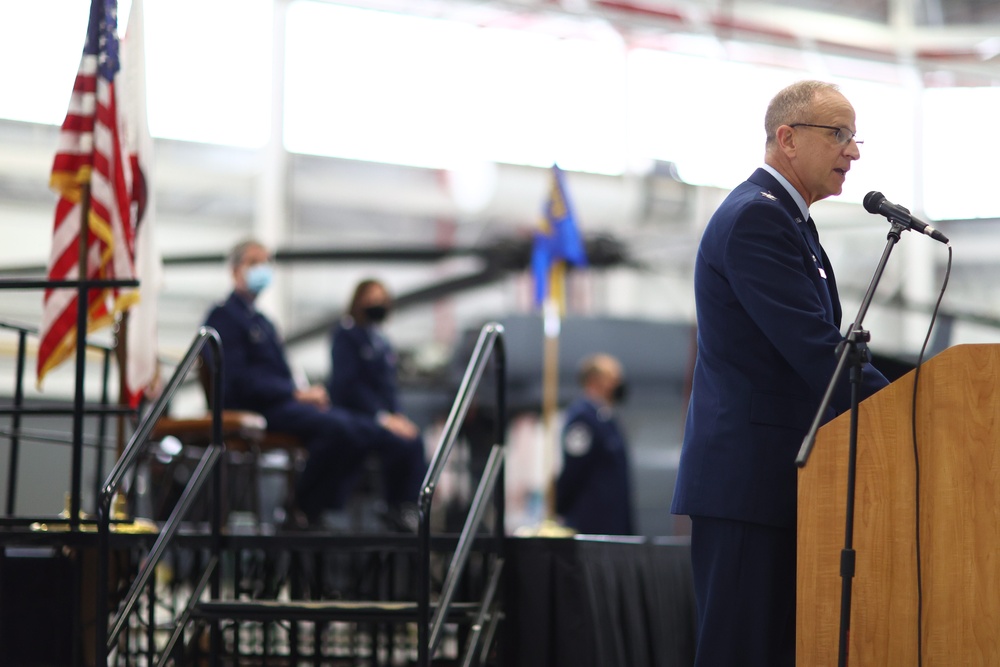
(785, 139)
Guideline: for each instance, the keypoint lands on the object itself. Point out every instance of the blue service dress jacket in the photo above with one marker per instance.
(257, 377)
(768, 327)
(593, 493)
(364, 376)
(256, 372)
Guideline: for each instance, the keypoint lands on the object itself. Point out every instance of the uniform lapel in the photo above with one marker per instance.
(809, 233)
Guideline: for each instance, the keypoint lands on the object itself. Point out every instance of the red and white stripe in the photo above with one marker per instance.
(89, 152)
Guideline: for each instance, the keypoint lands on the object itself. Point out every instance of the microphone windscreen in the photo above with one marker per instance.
(872, 201)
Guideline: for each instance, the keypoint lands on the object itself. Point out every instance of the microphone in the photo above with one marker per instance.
(875, 202)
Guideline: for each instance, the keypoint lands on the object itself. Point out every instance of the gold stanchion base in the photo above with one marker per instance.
(547, 528)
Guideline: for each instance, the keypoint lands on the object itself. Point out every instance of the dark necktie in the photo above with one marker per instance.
(814, 233)
(831, 282)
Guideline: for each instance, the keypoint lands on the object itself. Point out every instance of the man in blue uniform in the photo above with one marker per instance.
(593, 494)
(257, 377)
(768, 328)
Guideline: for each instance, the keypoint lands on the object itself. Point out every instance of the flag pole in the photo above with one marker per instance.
(553, 311)
(82, 306)
(124, 399)
(557, 242)
(550, 401)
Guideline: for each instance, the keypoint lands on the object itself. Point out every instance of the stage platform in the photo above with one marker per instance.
(572, 602)
(596, 601)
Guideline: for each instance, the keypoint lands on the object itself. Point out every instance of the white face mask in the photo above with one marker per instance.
(258, 277)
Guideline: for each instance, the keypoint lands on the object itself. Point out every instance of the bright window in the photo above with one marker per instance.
(40, 44)
(703, 114)
(960, 149)
(886, 122)
(208, 70)
(207, 74)
(385, 87)
(706, 115)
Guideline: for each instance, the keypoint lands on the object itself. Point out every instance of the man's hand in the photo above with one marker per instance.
(398, 424)
(315, 395)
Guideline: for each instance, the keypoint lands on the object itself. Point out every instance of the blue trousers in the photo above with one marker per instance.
(744, 583)
(339, 441)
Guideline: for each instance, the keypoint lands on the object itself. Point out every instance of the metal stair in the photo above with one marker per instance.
(179, 592)
(221, 610)
(325, 611)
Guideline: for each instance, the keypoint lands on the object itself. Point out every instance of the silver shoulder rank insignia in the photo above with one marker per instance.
(768, 195)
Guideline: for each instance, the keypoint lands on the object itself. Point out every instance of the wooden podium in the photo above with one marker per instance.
(958, 440)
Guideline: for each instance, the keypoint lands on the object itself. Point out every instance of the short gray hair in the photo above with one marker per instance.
(239, 251)
(792, 104)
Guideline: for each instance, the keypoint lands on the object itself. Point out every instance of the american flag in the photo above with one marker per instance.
(141, 366)
(90, 153)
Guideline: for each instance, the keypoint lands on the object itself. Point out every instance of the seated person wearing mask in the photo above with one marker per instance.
(257, 377)
(363, 363)
(363, 379)
(593, 492)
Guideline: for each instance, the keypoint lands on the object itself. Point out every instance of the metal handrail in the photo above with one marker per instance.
(45, 435)
(127, 461)
(137, 443)
(486, 614)
(15, 423)
(200, 475)
(82, 287)
(27, 329)
(35, 331)
(45, 283)
(17, 411)
(490, 341)
(476, 513)
(185, 615)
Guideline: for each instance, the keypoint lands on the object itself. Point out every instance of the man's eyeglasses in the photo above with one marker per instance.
(841, 135)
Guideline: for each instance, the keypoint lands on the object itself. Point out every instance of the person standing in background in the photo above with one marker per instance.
(593, 491)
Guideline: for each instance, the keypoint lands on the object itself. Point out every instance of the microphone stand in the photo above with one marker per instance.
(852, 350)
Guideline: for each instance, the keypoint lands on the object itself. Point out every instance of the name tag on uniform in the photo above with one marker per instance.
(819, 267)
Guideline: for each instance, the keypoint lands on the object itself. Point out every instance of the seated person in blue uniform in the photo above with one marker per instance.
(363, 376)
(257, 377)
(363, 363)
(593, 493)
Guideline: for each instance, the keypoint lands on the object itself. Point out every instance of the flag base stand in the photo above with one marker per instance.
(547, 528)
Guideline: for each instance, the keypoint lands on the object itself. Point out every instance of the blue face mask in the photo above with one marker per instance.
(258, 277)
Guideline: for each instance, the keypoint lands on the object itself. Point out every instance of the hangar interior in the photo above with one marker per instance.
(411, 140)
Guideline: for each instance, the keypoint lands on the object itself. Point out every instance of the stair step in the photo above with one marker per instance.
(322, 610)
